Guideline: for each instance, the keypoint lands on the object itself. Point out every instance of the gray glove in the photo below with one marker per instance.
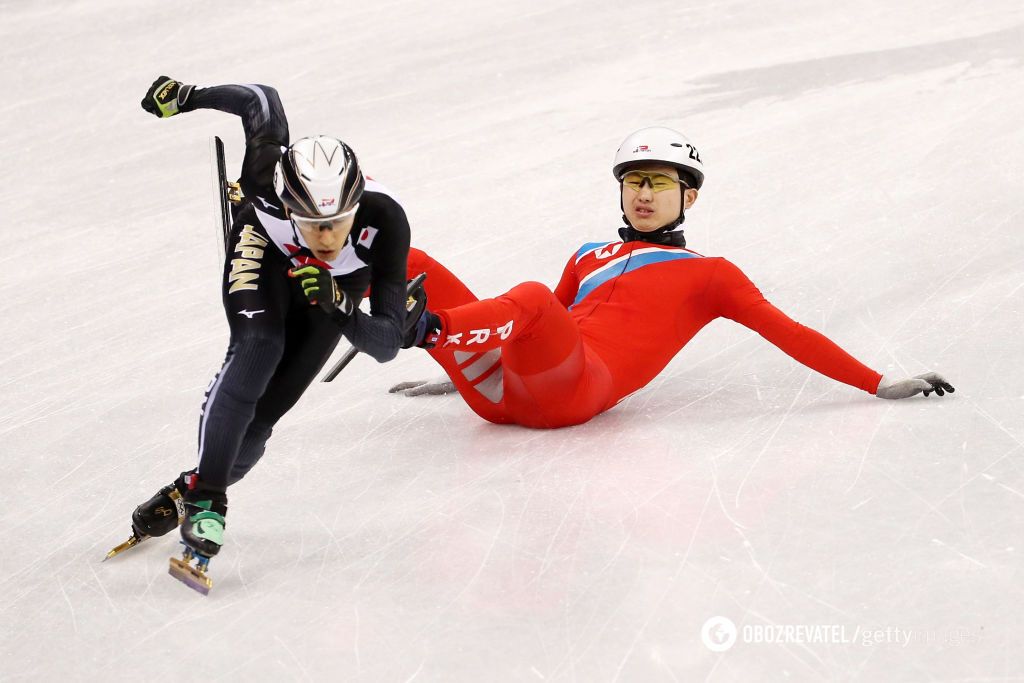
(905, 388)
(435, 387)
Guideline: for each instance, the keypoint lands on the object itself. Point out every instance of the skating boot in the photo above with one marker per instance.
(157, 516)
(202, 534)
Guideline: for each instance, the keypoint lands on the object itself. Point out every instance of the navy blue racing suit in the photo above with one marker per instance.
(279, 342)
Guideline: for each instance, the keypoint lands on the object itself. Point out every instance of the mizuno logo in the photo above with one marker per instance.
(266, 203)
(250, 314)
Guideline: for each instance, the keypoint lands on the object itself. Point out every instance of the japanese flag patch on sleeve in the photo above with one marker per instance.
(366, 237)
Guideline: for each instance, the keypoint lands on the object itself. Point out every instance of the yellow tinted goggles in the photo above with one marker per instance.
(659, 182)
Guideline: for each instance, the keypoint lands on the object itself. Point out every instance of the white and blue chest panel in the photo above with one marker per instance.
(601, 262)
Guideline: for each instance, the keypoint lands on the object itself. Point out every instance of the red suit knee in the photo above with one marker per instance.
(547, 376)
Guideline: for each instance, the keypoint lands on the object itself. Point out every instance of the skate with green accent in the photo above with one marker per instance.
(202, 534)
(195, 577)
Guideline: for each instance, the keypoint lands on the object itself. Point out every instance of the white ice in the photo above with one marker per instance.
(865, 168)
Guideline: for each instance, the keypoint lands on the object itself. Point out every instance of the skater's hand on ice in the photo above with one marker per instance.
(321, 290)
(905, 388)
(165, 97)
(434, 387)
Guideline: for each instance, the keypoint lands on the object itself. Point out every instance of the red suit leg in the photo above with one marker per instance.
(518, 358)
(444, 290)
(523, 351)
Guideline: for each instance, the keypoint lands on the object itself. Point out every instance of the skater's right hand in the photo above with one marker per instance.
(166, 97)
(434, 387)
(321, 290)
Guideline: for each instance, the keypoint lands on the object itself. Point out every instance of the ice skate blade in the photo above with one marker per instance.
(190, 576)
(130, 543)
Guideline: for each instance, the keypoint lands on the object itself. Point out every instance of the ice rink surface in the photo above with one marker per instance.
(865, 169)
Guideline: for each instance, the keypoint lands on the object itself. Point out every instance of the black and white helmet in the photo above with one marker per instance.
(319, 177)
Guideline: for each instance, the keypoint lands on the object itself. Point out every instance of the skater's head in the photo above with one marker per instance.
(654, 196)
(660, 173)
(320, 183)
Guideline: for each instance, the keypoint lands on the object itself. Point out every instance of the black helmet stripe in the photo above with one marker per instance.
(352, 188)
(297, 189)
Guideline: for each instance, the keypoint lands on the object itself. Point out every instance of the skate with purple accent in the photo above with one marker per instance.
(202, 534)
(195, 577)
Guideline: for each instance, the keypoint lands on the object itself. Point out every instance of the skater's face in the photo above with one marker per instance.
(650, 200)
(325, 238)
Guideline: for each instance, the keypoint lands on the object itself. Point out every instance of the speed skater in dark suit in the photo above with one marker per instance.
(310, 237)
(619, 314)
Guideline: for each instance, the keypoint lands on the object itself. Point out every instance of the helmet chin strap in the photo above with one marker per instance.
(669, 235)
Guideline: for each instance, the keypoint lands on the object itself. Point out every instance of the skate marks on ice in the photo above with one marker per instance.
(431, 545)
(996, 50)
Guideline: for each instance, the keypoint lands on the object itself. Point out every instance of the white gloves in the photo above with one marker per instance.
(904, 388)
(434, 387)
(888, 388)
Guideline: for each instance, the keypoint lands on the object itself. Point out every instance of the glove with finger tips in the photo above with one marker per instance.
(166, 97)
(905, 388)
(403, 387)
(321, 290)
(435, 387)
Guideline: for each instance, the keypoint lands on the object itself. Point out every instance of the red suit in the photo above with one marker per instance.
(617, 317)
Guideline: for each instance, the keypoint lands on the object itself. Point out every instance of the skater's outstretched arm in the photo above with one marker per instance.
(737, 298)
(259, 107)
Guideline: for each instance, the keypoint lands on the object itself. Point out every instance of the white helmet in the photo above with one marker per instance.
(663, 145)
(319, 176)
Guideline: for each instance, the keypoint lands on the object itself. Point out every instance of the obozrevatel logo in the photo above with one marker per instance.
(718, 634)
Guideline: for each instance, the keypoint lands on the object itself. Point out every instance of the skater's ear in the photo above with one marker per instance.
(689, 197)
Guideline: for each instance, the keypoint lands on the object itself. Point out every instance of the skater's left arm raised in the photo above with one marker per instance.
(258, 106)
